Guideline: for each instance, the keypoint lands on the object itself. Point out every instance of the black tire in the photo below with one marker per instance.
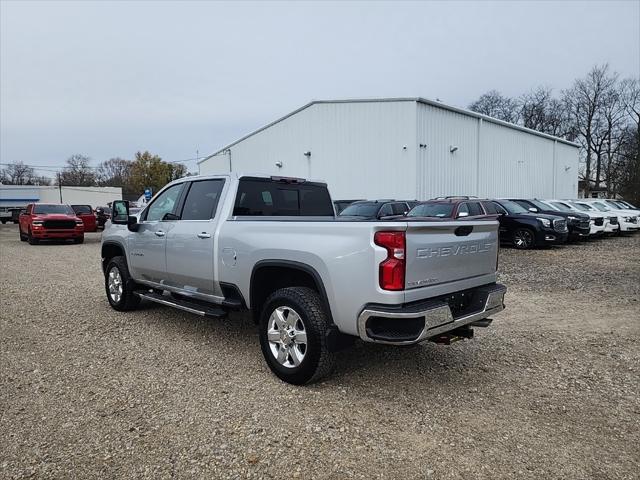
(317, 361)
(23, 237)
(78, 240)
(127, 299)
(4, 221)
(524, 238)
(31, 239)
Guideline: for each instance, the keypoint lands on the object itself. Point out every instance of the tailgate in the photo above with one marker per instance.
(443, 252)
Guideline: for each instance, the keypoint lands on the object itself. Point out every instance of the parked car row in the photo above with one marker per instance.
(524, 223)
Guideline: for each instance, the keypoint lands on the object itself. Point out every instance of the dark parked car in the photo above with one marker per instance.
(340, 205)
(102, 215)
(577, 223)
(374, 209)
(524, 229)
(453, 207)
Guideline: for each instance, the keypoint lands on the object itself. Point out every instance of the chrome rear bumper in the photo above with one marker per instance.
(437, 317)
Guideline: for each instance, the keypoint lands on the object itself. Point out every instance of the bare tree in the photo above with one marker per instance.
(584, 103)
(540, 111)
(41, 180)
(77, 173)
(115, 172)
(627, 166)
(17, 174)
(495, 105)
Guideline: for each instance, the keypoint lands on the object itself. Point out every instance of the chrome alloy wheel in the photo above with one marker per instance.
(115, 284)
(287, 337)
(523, 239)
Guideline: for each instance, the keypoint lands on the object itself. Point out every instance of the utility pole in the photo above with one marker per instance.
(60, 187)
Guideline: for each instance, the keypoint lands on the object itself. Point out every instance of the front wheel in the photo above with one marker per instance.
(78, 240)
(31, 239)
(293, 335)
(119, 285)
(524, 238)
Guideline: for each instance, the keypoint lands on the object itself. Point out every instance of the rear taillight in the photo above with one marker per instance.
(392, 268)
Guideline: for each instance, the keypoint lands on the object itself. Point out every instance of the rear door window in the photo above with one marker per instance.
(500, 209)
(489, 208)
(263, 197)
(202, 200)
(475, 209)
(386, 210)
(399, 208)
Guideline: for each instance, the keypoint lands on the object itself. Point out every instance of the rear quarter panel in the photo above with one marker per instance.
(347, 260)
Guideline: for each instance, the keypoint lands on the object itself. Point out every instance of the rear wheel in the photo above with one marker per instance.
(119, 285)
(293, 335)
(23, 237)
(524, 238)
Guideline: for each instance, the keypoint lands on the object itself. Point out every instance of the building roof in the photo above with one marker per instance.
(425, 101)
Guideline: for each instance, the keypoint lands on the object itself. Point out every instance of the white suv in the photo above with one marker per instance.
(627, 219)
(597, 224)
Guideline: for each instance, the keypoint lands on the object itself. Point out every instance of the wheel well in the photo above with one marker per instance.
(110, 250)
(266, 279)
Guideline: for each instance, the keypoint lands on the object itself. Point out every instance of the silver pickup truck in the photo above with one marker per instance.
(272, 245)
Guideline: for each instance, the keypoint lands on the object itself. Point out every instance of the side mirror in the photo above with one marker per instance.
(533, 209)
(463, 214)
(120, 215)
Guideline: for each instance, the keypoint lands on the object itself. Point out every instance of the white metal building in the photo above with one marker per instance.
(404, 148)
(18, 196)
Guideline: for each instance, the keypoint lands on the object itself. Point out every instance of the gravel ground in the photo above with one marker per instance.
(550, 390)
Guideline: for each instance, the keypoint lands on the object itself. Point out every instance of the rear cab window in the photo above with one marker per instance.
(82, 209)
(282, 198)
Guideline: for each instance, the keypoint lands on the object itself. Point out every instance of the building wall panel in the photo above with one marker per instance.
(439, 171)
(402, 149)
(358, 148)
(514, 163)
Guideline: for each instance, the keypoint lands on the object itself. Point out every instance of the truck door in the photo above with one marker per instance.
(190, 244)
(147, 246)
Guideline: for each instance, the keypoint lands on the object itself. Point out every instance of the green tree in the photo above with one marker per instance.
(151, 171)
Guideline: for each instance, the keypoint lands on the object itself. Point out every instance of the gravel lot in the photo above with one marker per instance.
(551, 390)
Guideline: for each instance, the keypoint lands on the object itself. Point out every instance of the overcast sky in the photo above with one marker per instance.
(106, 79)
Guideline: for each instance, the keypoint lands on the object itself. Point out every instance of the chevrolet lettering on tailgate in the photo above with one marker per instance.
(450, 250)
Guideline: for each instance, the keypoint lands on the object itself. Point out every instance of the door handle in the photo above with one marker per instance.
(159, 233)
(204, 235)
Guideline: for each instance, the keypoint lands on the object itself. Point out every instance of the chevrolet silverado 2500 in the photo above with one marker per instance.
(272, 245)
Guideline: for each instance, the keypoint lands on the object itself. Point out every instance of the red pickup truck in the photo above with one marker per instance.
(85, 213)
(49, 221)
